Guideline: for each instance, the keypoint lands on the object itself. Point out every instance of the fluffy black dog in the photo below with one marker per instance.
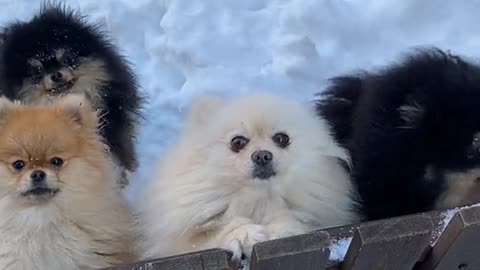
(58, 53)
(413, 130)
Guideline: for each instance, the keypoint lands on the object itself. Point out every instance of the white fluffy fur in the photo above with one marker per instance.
(65, 233)
(204, 196)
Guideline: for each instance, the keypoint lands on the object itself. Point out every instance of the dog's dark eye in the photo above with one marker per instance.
(18, 165)
(69, 61)
(281, 139)
(37, 72)
(56, 161)
(238, 143)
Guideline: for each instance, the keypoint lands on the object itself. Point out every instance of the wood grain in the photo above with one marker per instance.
(306, 252)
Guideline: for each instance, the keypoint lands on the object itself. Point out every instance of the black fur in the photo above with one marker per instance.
(406, 127)
(56, 27)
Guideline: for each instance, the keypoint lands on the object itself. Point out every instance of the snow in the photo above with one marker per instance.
(339, 248)
(244, 265)
(182, 48)
(446, 218)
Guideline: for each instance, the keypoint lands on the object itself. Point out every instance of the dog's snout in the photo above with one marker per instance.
(262, 157)
(56, 77)
(38, 177)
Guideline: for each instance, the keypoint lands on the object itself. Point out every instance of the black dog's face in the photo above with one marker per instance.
(52, 73)
(457, 163)
(59, 71)
(449, 124)
(52, 55)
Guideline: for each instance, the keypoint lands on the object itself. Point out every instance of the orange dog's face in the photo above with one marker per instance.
(48, 151)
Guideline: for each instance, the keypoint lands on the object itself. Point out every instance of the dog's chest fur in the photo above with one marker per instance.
(258, 204)
(38, 239)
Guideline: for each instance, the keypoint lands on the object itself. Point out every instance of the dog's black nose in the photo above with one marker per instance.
(56, 77)
(262, 157)
(38, 177)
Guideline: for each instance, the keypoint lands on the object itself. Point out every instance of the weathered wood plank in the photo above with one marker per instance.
(394, 244)
(181, 261)
(458, 246)
(306, 252)
(214, 259)
(436, 218)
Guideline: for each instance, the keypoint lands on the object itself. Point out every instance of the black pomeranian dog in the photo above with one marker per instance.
(413, 130)
(58, 53)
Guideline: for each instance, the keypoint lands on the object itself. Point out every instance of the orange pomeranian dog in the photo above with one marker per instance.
(58, 209)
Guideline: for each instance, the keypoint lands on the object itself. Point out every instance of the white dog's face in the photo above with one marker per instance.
(261, 139)
(258, 157)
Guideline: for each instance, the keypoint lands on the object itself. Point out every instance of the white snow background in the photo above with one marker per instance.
(182, 48)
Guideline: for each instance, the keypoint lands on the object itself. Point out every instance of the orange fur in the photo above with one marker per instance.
(90, 222)
(36, 134)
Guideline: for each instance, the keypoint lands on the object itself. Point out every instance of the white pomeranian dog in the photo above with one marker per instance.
(253, 169)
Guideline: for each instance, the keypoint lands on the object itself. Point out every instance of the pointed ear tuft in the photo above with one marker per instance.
(79, 110)
(203, 108)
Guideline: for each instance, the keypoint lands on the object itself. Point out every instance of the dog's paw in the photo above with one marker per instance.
(241, 240)
(235, 247)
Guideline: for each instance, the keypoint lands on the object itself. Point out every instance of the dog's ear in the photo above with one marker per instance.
(6, 106)
(79, 110)
(203, 108)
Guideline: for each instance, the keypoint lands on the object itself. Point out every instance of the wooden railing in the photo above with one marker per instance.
(441, 240)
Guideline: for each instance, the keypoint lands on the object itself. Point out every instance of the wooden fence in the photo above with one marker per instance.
(441, 240)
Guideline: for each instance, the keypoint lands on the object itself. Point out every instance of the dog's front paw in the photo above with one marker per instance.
(241, 240)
